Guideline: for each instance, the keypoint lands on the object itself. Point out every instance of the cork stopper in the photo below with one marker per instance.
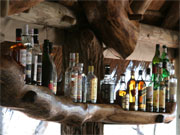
(91, 68)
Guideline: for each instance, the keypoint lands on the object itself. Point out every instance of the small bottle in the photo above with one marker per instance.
(107, 87)
(141, 92)
(173, 83)
(67, 75)
(91, 85)
(47, 67)
(162, 90)
(74, 79)
(149, 91)
(133, 93)
(29, 56)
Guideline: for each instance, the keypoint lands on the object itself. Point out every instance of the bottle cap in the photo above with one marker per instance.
(36, 31)
(107, 69)
(18, 32)
(122, 74)
(26, 30)
(80, 64)
(77, 57)
(140, 72)
(148, 71)
(91, 68)
(157, 45)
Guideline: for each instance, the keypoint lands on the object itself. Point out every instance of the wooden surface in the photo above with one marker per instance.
(110, 22)
(40, 103)
(49, 14)
(140, 6)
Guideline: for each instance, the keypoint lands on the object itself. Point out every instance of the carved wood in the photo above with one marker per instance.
(109, 19)
(49, 14)
(40, 103)
(173, 16)
(140, 6)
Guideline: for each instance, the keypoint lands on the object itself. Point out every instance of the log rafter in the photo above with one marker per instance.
(40, 103)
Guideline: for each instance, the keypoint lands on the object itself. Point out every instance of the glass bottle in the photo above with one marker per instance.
(107, 87)
(47, 67)
(149, 91)
(141, 92)
(173, 83)
(162, 90)
(91, 85)
(133, 93)
(74, 79)
(67, 74)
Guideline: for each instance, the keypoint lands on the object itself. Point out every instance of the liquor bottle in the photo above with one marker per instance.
(149, 91)
(82, 84)
(47, 67)
(141, 92)
(133, 93)
(107, 87)
(74, 79)
(54, 73)
(155, 78)
(173, 83)
(67, 74)
(162, 89)
(36, 60)
(122, 95)
(29, 44)
(91, 85)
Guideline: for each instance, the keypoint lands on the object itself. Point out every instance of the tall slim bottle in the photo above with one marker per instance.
(155, 78)
(141, 92)
(91, 85)
(133, 93)
(67, 75)
(47, 67)
(149, 91)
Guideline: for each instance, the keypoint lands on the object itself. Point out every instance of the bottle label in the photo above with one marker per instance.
(28, 65)
(79, 91)
(149, 96)
(155, 68)
(29, 58)
(84, 88)
(167, 84)
(54, 87)
(93, 89)
(50, 85)
(162, 97)
(126, 102)
(173, 91)
(107, 93)
(142, 98)
(35, 58)
(156, 98)
(39, 73)
(74, 85)
(22, 57)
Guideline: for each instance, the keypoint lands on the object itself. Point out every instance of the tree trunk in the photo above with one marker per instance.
(90, 128)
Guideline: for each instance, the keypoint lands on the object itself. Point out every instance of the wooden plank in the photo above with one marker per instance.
(148, 38)
(140, 6)
(173, 16)
(156, 5)
(48, 14)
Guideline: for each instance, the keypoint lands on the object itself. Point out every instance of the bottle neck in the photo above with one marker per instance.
(36, 40)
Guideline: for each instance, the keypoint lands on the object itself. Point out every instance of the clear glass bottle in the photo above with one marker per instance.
(173, 83)
(107, 87)
(149, 91)
(141, 92)
(92, 82)
(67, 75)
(74, 79)
(133, 93)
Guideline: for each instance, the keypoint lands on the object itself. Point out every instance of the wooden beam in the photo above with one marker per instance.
(4, 4)
(173, 16)
(49, 14)
(40, 103)
(140, 6)
(148, 38)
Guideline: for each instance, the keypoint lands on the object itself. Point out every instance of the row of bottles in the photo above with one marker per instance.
(38, 68)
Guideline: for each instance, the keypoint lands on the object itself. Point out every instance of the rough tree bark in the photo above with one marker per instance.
(109, 19)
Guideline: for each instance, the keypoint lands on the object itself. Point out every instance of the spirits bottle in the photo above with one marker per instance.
(91, 85)
(67, 75)
(131, 86)
(141, 92)
(155, 78)
(162, 89)
(149, 91)
(47, 67)
(29, 44)
(74, 79)
(122, 95)
(82, 84)
(36, 60)
(107, 87)
(54, 73)
(18, 52)
(173, 83)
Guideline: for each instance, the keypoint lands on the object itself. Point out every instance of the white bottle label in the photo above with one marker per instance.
(29, 58)
(23, 57)
(73, 85)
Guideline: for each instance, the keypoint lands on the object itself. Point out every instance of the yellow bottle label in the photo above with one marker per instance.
(156, 98)
(93, 89)
(162, 97)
